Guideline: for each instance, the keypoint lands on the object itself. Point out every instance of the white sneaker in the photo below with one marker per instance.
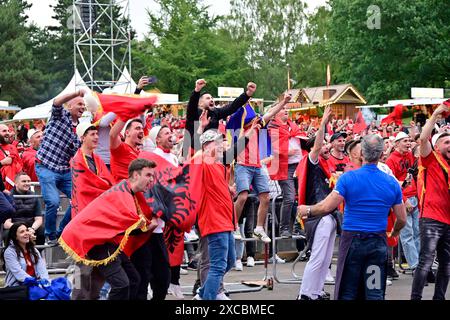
(237, 234)
(191, 235)
(183, 272)
(197, 297)
(222, 296)
(250, 262)
(388, 283)
(278, 259)
(329, 277)
(175, 290)
(261, 235)
(238, 265)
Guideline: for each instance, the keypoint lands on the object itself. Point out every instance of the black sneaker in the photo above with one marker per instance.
(196, 286)
(192, 265)
(299, 234)
(391, 273)
(431, 278)
(303, 297)
(285, 234)
(51, 242)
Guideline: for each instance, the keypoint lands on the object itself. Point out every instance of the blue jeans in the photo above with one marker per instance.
(221, 259)
(410, 235)
(245, 176)
(51, 183)
(364, 275)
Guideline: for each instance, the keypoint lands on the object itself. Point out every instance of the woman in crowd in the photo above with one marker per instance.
(21, 259)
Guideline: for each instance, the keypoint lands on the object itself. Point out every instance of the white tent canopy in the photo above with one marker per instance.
(43, 111)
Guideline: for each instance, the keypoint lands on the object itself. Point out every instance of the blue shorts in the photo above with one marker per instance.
(245, 176)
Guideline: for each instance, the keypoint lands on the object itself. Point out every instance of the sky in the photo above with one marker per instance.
(41, 12)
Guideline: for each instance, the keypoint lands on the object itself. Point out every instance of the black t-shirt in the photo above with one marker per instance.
(91, 164)
(317, 184)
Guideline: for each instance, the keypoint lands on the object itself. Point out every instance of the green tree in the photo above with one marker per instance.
(271, 30)
(184, 44)
(410, 48)
(22, 82)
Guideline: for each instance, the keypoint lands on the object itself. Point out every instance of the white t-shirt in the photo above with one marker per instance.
(294, 144)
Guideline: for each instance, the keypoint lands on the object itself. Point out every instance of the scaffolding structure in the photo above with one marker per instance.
(94, 50)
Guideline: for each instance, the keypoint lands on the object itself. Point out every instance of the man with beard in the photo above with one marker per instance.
(10, 162)
(434, 196)
(124, 152)
(201, 101)
(338, 160)
(58, 146)
(29, 155)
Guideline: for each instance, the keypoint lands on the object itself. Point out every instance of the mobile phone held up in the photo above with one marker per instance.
(152, 80)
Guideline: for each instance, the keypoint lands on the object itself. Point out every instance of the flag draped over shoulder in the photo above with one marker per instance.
(125, 106)
(279, 136)
(8, 172)
(302, 175)
(177, 194)
(109, 218)
(87, 185)
(394, 116)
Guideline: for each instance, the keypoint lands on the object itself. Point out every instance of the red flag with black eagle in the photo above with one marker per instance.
(109, 218)
(177, 194)
(87, 185)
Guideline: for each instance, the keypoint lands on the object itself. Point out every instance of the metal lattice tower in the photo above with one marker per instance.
(96, 52)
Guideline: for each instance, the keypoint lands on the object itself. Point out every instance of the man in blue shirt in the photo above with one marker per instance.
(59, 145)
(369, 194)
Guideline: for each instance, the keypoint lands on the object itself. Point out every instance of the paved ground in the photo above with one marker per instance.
(400, 289)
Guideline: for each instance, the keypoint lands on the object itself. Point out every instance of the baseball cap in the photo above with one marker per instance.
(82, 128)
(154, 133)
(31, 133)
(400, 136)
(208, 136)
(337, 135)
(437, 136)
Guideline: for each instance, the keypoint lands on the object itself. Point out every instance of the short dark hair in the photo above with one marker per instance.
(18, 175)
(203, 93)
(90, 129)
(162, 127)
(139, 164)
(131, 122)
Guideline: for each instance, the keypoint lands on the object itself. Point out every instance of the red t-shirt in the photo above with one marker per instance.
(216, 212)
(121, 157)
(336, 164)
(29, 160)
(250, 156)
(436, 204)
(399, 164)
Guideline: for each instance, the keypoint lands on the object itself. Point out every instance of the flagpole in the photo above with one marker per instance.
(288, 77)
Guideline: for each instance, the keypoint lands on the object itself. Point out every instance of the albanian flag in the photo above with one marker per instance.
(8, 172)
(86, 185)
(302, 175)
(109, 218)
(360, 125)
(394, 116)
(177, 194)
(279, 136)
(125, 106)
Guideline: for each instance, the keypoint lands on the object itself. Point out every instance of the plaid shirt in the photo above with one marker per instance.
(60, 142)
